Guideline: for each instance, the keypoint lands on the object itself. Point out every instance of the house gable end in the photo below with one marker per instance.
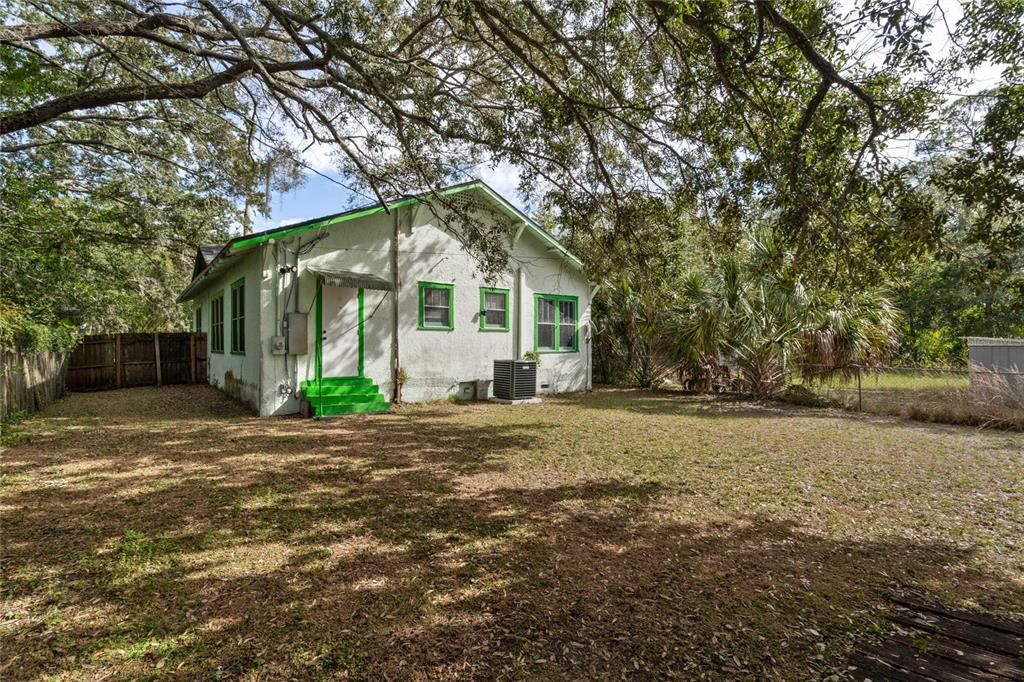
(246, 242)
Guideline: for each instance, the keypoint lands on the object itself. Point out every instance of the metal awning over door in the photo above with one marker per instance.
(351, 279)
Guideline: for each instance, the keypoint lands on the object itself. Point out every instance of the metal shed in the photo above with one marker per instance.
(997, 368)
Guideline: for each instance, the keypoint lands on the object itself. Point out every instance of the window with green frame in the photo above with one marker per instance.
(437, 303)
(217, 324)
(238, 316)
(199, 320)
(493, 309)
(556, 323)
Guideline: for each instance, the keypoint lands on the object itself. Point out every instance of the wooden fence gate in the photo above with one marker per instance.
(104, 361)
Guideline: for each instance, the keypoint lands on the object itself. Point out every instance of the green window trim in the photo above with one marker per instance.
(484, 327)
(238, 317)
(217, 324)
(450, 288)
(557, 300)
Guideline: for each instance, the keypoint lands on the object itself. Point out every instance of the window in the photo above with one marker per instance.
(493, 309)
(217, 324)
(557, 322)
(436, 302)
(238, 316)
(199, 320)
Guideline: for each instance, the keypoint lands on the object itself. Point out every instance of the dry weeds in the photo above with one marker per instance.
(165, 533)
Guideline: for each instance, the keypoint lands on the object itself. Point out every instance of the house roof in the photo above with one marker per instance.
(208, 252)
(244, 243)
(204, 256)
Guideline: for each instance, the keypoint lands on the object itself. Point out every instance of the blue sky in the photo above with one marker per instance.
(316, 197)
(320, 196)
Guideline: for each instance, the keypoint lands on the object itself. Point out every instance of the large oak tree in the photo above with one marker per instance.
(727, 113)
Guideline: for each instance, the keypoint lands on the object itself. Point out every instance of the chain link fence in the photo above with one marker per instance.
(977, 395)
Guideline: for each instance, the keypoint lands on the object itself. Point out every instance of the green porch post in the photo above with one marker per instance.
(319, 346)
(360, 332)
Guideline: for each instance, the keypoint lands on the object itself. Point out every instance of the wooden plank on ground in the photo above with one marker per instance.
(922, 604)
(928, 665)
(933, 642)
(986, 638)
(871, 669)
(999, 665)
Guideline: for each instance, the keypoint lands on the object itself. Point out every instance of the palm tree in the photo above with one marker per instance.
(757, 316)
(632, 336)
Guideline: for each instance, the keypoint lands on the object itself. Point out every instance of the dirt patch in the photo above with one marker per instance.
(168, 533)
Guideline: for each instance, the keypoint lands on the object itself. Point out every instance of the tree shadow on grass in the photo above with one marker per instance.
(398, 548)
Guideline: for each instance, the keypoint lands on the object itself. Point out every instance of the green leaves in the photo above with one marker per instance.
(21, 74)
(745, 321)
(658, 133)
(91, 249)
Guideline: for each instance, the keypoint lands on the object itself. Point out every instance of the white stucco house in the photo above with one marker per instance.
(331, 309)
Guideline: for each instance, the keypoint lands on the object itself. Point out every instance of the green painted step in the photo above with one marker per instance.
(343, 395)
(337, 381)
(362, 408)
(353, 389)
(316, 401)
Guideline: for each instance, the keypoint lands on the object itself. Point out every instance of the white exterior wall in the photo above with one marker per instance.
(361, 245)
(435, 361)
(238, 375)
(550, 274)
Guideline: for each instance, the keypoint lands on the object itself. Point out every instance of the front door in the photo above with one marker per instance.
(340, 331)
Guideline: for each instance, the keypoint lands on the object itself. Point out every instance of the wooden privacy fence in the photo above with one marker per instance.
(30, 381)
(104, 361)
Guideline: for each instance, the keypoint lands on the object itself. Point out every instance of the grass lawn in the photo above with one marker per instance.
(905, 380)
(928, 395)
(165, 533)
(893, 388)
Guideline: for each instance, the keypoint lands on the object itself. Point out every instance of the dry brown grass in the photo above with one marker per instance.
(164, 533)
(982, 398)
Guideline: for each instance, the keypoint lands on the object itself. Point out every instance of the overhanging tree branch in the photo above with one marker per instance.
(93, 99)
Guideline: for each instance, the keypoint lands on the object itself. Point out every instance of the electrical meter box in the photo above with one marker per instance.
(298, 334)
(277, 346)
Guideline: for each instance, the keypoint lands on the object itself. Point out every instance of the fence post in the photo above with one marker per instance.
(192, 349)
(860, 393)
(117, 359)
(156, 349)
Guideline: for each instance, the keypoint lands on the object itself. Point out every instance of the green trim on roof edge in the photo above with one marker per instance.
(529, 221)
(320, 223)
(247, 241)
(258, 239)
